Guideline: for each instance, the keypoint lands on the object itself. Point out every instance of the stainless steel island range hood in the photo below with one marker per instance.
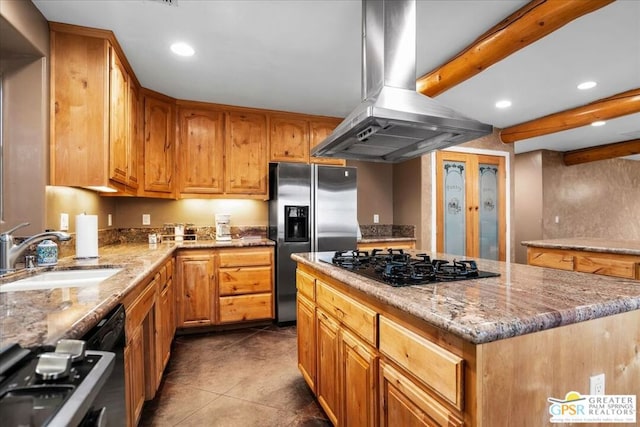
(394, 123)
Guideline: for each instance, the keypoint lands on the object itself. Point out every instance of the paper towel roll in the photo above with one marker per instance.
(86, 236)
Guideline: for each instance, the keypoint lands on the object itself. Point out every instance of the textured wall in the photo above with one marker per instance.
(408, 196)
(375, 191)
(597, 199)
(528, 201)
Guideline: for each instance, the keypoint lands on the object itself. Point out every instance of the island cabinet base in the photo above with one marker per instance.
(371, 364)
(608, 264)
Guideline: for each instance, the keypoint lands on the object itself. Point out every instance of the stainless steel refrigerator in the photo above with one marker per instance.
(312, 208)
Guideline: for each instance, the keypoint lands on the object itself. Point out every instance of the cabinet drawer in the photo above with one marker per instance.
(607, 266)
(362, 320)
(306, 285)
(136, 313)
(245, 258)
(246, 307)
(244, 280)
(557, 260)
(438, 368)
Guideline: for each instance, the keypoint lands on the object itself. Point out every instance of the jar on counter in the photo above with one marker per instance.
(47, 253)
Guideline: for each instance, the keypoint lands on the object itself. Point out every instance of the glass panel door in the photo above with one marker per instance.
(454, 207)
(488, 209)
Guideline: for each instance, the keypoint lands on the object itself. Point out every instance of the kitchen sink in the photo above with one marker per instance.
(77, 278)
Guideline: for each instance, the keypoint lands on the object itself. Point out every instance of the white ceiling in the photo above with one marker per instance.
(304, 56)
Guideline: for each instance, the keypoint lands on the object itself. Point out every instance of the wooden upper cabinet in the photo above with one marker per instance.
(246, 153)
(136, 135)
(118, 120)
(90, 111)
(159, 131)
(319, 130)
(79, 110)
(201, 151)
(289, 139)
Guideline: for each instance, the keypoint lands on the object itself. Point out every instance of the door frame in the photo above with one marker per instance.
(507, 189)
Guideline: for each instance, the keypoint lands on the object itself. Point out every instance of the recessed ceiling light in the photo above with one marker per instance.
(505, 103)
(598, 123)
(182, 49)
(587, 85)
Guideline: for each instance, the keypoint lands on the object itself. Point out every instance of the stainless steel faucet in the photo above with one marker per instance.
(10, 252)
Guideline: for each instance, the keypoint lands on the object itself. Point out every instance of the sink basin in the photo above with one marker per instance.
(61, 279)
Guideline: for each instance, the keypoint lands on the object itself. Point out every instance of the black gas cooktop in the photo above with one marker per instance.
(397, 268)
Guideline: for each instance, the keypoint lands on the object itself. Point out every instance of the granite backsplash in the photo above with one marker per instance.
(141, 235)
(387, 230)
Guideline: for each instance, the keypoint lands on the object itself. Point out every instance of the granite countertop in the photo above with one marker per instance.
(522, 300)
(42, 317)
(624, 247)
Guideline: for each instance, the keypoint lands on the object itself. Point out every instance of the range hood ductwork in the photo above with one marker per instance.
(394, 123)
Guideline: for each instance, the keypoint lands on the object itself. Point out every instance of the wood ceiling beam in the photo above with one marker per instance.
(614, 106)
(530, 23)
(602, 152)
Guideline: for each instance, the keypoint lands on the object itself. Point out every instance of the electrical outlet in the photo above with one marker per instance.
(557, 219)
(146, 219)
(376, 218)
(109, 220)
(64, 222)
(596, 384)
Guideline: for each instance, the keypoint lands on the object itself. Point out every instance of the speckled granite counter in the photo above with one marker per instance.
(623, 247)
(41, 317)
(522, 300)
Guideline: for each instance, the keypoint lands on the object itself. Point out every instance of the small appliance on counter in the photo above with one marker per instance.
(223, 227)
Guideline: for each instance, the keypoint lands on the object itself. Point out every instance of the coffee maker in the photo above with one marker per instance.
(223, 227)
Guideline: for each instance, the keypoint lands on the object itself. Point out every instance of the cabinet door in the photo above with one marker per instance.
(470, 205)
(289, 139)
(79, 109)
(246, 153)
(195, 290)
(136, 121)
(319, 130)
(402, 403)
(201, 151)
(159, 132)
(163, 333)
(118, 120)
(306, 329)
(328, 374)
(359, 365)
(135, 375)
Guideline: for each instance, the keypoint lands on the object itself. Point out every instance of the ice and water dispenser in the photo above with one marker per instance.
(296, 223)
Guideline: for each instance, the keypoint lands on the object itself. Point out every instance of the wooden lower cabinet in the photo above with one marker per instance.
(164, 319)
(328, 379)
(403, 403)
(359, 365)
(134, 375)
(221, 286)
(367, 246)
(305, 319)
(196, 287)
(359, 359)
(608, 264)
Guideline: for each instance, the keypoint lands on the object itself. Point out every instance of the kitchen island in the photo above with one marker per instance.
(485, 352)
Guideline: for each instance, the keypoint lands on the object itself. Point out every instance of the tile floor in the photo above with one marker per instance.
(237, 378)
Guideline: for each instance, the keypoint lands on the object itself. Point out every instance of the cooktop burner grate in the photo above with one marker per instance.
(397, 268)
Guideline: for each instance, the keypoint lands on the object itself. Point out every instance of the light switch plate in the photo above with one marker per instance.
(64, 222)
(109, 220)
(376, 218)
(146, 219)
